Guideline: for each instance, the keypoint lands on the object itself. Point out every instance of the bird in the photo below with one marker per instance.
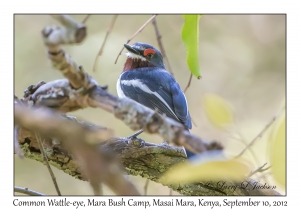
(145, 80)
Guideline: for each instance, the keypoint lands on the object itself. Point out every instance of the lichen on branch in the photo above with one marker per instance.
(137, 157)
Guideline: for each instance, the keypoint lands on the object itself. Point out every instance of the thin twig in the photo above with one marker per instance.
(259, 169)
(259, 135)
(193, 121)
(243, 139)
(47, 163)
(85, 19)
(161, 47)
(250, 149)
(146, 187)
(97, 188)
(189, 83)
(263, 176)
(138, 31)
(26, 191)
(104, 41)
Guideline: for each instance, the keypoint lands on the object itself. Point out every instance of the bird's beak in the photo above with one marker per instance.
(131, 49)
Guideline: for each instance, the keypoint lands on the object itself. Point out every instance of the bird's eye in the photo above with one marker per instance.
(149, 56)
(149, 53)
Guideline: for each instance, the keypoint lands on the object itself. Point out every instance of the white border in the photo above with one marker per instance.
(193, 6)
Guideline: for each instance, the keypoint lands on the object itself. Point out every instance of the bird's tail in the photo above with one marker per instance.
(188, 153)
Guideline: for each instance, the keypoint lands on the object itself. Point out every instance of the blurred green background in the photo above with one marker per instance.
(242, 59)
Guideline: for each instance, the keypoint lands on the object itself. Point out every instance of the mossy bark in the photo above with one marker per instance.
(139, 158)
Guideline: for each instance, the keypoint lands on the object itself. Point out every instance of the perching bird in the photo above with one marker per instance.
(146, 81)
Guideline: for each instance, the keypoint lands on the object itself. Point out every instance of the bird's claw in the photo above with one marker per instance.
(133, 136)
(137, 142)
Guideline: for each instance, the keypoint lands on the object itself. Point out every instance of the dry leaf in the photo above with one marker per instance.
(207, 166)
(218, 110)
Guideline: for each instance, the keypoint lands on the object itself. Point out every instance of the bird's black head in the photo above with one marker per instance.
(142, 55)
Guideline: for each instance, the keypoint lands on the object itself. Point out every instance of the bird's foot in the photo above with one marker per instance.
(133, 136)
(165, 143)
(133, 140)
(136, 142)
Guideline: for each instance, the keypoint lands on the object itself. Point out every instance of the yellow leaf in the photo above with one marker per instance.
(214, 169)
(218, 110)
(278, 154)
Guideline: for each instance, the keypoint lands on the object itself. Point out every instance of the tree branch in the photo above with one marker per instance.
(133, 114)
(138, 157)
(70, 140)
(84, 91)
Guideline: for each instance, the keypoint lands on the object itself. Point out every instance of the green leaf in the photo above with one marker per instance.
(190, 38)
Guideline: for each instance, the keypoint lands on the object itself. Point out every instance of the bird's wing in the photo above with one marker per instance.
(157, 90)
(140, 92)
(180, 105)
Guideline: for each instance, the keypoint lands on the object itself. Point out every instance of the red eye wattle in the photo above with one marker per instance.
(148, 51)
